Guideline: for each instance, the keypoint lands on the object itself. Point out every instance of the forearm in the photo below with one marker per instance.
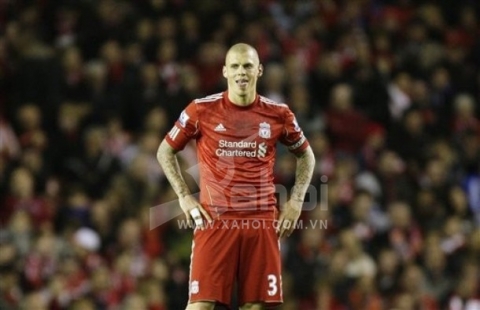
(168, 161)
(303, 174)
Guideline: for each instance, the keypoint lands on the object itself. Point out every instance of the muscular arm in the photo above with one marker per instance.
(293, 207)
(303, 174)
(167, 159)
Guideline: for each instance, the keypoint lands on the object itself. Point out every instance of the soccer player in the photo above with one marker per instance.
(236, 238)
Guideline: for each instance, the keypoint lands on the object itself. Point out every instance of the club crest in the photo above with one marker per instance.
(194, 287)
(183, 119)
(264, 130)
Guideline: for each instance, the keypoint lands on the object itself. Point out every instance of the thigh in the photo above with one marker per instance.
(256, 306)
(213, 266)
(201, 306)
(259, 278)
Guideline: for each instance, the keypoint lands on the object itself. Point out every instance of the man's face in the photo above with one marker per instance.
(242, 70)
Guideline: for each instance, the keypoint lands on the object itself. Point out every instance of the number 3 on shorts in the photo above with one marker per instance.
(272, 285)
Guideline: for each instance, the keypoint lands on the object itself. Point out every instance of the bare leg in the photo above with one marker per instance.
(252, 306)
(201, 305)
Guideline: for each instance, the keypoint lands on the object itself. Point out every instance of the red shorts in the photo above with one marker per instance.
(245, 252)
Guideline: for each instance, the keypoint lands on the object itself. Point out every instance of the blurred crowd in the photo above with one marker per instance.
(386, 91)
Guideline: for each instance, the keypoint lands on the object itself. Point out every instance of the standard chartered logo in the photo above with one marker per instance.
(241, 149)
(262, 149)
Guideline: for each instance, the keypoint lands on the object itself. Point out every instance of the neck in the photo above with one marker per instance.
(242, 101)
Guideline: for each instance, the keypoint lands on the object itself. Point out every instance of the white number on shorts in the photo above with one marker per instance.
(272, 284)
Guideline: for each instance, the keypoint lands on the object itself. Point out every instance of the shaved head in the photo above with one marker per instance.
(242, 69)
(241, 48)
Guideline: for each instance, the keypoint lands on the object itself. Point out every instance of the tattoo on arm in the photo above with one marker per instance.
(167, 159)
(303, 175)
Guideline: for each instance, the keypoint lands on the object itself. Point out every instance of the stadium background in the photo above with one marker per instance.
(387, 92)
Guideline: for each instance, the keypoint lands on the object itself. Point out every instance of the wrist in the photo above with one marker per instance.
(297, 193)
(183, 195)
(295, 204)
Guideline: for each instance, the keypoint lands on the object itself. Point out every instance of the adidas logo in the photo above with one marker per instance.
(220, 127)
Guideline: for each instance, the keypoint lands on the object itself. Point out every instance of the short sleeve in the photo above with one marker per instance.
(292, 135)
(185, 128)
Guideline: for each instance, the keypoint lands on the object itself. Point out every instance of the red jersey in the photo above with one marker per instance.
(236, 149)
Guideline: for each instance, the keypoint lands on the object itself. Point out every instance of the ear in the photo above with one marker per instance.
(260, 70)
(224, 71)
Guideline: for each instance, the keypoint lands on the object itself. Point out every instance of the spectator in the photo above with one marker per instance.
(359, 264)
(399, 91)
(22, 196)
(345, 125)
(412, 286)
(388, 273)
(74, 83)
(32, 135)
(301, 106)
(79, 168)
(465, 294)
(273, 82)
(367, 220)
(438, 281)
(9, 144)
(375, 143)
(308, 258)
(390, 172)
(403, 235)
(411, 128)
(464, 117)
(364, 295)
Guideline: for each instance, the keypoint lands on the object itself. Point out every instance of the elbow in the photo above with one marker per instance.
(307, 154)
(311, 156)
(164, 151)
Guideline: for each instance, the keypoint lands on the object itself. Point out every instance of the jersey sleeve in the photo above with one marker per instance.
(185, 128)
(292, 135)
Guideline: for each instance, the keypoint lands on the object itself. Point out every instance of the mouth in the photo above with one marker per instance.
(242, 83)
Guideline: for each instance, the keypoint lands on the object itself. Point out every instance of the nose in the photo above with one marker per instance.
(241, 70)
